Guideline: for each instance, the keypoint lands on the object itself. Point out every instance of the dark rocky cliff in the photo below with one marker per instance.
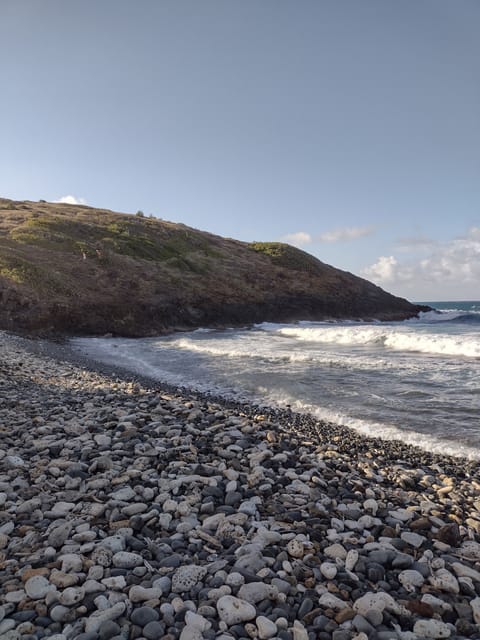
(67, 269)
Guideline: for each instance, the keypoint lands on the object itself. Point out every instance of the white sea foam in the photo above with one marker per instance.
(214, 348)
(274, 353)
(417, 383)
(383, 431)
(445, 315)
(121, 353)
(116, 353)
(467, 345)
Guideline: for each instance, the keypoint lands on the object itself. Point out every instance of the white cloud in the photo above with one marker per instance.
(298, 239)
(474, 233)
(345, 233)
(451, 269)
(71, 200)
(383, 271)
(301, 238)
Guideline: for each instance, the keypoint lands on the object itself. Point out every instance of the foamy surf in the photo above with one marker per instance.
(380, 430)
(417, 382)
(392, 338)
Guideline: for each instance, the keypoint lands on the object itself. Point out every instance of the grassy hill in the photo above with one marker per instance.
(73, 269)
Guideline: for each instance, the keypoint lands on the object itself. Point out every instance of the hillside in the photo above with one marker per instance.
(69, 269)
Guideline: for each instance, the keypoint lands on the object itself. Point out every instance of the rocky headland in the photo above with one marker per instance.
(131, 510)
(71, 269)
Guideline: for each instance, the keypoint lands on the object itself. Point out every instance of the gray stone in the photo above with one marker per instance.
(6, 625)
(362, 625)
(108, 629)
(62, 509)
(71, 596)
(375, 572)
(138, 593)
(102, 557)
(402, 561)
(380, 556)
(37, 587)
(335, 551)
(144, 615)
(187, 577)
(266, 628)
(59, 612)
(305, 607)
(374, 617)
(15, 461)
(431, 629)
(190, 632)
(124, 494)
(59, 535)
(71, 562)
(94, 622)
(114, 543)
(115, 582)
(153, 630)
(413, 539)
(254, 592)
(411, 579)
(127, 560)
(234, 610)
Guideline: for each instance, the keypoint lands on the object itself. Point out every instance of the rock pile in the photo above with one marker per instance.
(127, 511)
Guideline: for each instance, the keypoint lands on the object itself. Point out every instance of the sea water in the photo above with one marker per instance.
(417, 380)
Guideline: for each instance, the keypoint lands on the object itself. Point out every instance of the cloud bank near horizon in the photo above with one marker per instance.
(447, 268)
(345, 233)
(342, 234)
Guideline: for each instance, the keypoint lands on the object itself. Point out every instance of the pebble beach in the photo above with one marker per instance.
(130, 509)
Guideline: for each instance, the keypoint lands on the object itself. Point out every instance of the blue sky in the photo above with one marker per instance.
(348, 127)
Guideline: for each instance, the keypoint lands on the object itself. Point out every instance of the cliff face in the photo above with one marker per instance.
(72, 269)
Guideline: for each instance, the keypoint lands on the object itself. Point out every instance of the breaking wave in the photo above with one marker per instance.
(417, 381)
(466, 345)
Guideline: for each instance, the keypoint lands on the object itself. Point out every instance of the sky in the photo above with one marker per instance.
(350, 128)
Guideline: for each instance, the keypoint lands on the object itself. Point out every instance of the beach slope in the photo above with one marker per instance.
(128, 509)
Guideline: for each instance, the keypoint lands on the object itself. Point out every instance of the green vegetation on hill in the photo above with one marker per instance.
(128, 236)
(284, 255)
(76, 269)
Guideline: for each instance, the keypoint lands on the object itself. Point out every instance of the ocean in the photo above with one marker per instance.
(417, 380)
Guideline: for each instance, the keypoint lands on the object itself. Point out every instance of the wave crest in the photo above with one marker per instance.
(391, 338)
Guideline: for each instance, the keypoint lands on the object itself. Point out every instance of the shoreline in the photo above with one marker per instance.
(132, 508)
(393, 447)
